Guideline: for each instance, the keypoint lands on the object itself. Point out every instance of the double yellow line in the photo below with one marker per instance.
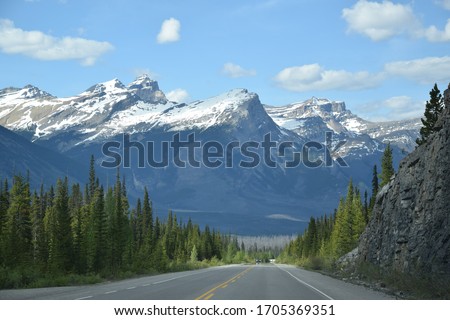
(208, 295)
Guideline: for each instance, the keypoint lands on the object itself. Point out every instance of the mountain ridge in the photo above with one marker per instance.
(267, 199)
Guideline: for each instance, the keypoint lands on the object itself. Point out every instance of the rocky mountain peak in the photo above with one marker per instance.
(112, 86)
(147, 89)
(32, 92)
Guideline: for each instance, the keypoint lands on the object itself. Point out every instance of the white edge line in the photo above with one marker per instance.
(167, 280)
(183, 276)
(307, 284)
(113, 291)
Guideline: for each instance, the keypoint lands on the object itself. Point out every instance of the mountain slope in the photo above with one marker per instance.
(409, 231)
(268, 198)
(19, 156)
(314, 116)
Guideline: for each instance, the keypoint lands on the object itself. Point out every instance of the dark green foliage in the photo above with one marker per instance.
(61, 235)
(387, 168)
(375, 188)
(433, 109)
(4, 206)
(329, 237)
(59, 231)
(17, 228)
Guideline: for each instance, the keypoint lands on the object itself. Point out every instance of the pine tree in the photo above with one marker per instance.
(78, 228)
(118, 226)
(39, 240)
(433, 108)
(59, 230)
(18, 249)
(194, 255)
(147, 220)
(358, 221)
(98, 233)
(366, 207)
(138, 224)
(374, 189)
(4, 205)
(311, 239)
(92, 181)
(387, 168)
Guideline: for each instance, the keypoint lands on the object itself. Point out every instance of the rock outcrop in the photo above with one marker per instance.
(409, 231)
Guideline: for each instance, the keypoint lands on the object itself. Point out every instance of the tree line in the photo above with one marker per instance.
(92, 230)
(433, 109)
(328, 237)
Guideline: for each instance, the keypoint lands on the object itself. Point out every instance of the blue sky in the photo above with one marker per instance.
(380, 57)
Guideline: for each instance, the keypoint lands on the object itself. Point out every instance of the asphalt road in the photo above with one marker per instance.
(236, 282)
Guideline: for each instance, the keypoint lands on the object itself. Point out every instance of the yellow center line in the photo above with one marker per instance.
(207, 295)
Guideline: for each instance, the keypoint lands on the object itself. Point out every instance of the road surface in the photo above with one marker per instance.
(235, 282)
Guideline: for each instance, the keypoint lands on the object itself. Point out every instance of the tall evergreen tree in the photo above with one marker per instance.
(60, 232)
(98, 234)
(39, 240)
(18, 248)
(4, 205)
(118, 225)
(375, 180)
(92, 179)
(78, 224)
(387, 168)
(433, 108)
(358, 221)
(366, 207)
(147, 220)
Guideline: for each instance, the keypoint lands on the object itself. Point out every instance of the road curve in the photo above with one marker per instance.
(234, 282)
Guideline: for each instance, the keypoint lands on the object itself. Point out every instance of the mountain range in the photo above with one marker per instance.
(262, 199)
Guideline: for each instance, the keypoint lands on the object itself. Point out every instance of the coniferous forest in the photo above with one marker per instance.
(77, 234)
(331, 236)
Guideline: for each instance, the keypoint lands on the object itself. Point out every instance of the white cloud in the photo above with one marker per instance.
(38, 45)
(236, 71)
(394, 108)
(427, 70)
(313, 77)
(380, 21)
(383, 20)
(170, 31)
(178, 95)
(445, 4)
(433, 34)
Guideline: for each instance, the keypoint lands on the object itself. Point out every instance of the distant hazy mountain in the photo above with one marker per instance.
(20, 156)
(243, 200)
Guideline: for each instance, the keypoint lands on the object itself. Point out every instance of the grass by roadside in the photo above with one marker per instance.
(31, 278)
(400, 285)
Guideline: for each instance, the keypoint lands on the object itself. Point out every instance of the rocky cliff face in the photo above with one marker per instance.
(409, 231)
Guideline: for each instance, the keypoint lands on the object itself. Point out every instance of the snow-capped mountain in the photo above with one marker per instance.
(111, 108)
(263, 199)
(314, 116)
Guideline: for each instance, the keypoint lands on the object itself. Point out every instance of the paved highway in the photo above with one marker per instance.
(235, 282)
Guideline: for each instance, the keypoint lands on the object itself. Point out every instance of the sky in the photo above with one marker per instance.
(381, 57)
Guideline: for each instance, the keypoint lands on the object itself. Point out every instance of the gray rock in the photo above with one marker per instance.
(409, 231)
